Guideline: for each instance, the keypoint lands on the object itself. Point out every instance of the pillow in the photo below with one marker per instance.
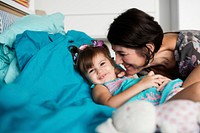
(49, 23)
(6, 19)
(1, 25)
(6, 56)
(12, 72)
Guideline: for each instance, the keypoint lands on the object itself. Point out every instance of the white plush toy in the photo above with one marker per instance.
(178, 116)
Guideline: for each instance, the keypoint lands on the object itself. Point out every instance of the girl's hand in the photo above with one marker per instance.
(119, 72)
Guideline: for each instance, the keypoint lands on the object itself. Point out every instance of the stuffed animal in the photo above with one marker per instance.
(177, 116)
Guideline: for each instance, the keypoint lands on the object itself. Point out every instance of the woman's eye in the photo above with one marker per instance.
(121, 54)
(103, 63)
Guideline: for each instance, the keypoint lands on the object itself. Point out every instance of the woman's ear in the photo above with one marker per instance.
(150, 46)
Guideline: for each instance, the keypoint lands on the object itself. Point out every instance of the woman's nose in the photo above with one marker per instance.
(118, 59)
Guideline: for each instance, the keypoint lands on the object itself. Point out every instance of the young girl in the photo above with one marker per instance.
(96, 65)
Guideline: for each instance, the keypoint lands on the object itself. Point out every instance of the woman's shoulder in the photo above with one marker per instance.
(169, 41)
(190, 31)
(182, 33)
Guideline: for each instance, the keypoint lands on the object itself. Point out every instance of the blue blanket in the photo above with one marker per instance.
(49, 96)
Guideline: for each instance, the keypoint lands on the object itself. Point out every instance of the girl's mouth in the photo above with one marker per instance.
(102, 76)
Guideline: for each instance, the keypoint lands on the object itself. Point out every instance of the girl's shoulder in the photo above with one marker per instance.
(110, 82)
(116, 80)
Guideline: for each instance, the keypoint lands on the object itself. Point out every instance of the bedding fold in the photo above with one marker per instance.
(49, 95)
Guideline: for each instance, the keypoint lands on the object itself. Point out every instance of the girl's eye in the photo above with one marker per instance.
(90, 71)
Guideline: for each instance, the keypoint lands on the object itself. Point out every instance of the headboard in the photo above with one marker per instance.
(8, 15)
(11, 9)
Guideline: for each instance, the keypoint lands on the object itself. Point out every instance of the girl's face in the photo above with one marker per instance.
(102, 71)
(129, 58)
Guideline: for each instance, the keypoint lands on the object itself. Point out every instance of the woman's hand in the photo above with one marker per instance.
(165, 81)
(162, 81)
(154, 80)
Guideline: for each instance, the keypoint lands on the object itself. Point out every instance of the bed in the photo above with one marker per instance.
(40, 91)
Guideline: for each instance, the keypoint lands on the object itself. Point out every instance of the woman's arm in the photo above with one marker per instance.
(193, 77)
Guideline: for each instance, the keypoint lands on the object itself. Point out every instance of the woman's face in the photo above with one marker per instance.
(129, 58)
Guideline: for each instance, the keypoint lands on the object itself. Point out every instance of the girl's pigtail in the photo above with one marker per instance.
(75, 52)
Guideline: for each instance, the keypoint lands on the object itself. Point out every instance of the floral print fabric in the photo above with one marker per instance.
(187, 51)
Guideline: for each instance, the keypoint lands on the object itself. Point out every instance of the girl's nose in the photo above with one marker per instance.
(99, 71)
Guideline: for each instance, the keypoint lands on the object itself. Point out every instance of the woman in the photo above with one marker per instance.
(140, 44)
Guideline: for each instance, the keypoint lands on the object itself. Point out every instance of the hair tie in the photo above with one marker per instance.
(75, 52)
(75, 57)
(97, 43)
(83, 47)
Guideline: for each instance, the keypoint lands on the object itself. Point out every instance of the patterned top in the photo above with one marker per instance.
(115, 84)
(187, 51)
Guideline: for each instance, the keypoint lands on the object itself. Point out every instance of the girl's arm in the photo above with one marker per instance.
(102, 95)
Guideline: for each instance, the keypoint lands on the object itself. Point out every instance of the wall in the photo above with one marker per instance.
(185, 14)
(95, 16)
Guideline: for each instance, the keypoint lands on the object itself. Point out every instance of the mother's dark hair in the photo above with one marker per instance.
(134, 29)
